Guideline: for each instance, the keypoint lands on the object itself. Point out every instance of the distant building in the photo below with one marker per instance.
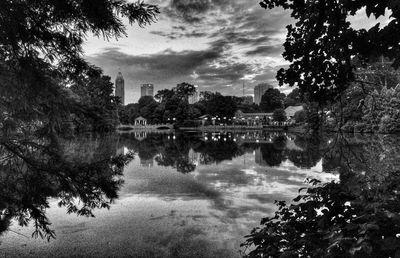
(259, 90)
(247, 100)
(252, 118)
(147, 163)
(120, 88)
(291, 110)
(147, 90)
(241, 115)
(140, 121)
(195, 97)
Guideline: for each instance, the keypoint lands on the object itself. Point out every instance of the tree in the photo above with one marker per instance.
(95, 92)
(147, 105)
(128, 113)
(44, 82)
(184, 90)
(271, 100)
(279, 115)
(41, 53)
(382, 110)
(164, 95)
(293, 98)
(321, 44)
(300, 116)
(219, 105)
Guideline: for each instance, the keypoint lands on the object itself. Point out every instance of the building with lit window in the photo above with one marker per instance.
(147, 90)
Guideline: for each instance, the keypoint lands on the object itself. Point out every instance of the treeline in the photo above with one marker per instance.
(172, 105)
(370, 104)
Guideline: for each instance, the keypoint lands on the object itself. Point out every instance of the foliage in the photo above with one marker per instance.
(41, 53)
(279, 115)
(46, 83)
(254, 108)
(377, 73)
(313, 115)
(271, 100)
(164, 95)
(294, 98)
(147, 105)
(357, 216)
(300, 116)
(348, 127)
(128, 113)
(332, 220)
(382, 110)
(219, 105)
(369, 104)
(321, 44)
(83, 175)
(95, 92)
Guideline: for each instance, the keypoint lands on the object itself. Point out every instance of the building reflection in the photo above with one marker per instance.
(259, 158)
(148, 163)
(186, 151)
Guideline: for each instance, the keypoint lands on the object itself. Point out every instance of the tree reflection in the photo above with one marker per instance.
(184, 151)
(272, 153)
(36, 169)
(311, 151)
(359, 216)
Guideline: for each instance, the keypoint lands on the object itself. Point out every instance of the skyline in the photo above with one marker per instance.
(215, 44)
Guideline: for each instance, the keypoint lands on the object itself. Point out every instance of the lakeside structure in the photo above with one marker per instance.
(120, 88)
(147, 89)
(290, 111)
(253, 118)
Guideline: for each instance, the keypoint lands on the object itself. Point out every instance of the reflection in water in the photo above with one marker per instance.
(358, 216)
(226, 183)
(35, 170)
(183, 151)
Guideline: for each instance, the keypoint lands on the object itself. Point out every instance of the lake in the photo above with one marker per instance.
(187, 194)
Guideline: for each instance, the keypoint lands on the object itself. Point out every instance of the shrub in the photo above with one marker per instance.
(348, 127)
(360, 128)
(300, 116)
(279, 115)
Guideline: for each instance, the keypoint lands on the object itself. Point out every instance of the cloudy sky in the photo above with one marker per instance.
(216, 44)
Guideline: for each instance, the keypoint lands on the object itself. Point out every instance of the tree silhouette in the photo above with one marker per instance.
(321, 44)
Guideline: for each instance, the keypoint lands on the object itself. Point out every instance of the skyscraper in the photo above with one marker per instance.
(120, 88)
(195, 97)
(146, 90)
(259, 90)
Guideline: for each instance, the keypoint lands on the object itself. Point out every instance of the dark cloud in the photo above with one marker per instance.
(179, 27)
(240, 34)
(167, 68)
(230, 72)
(180, 34)
(193, 11)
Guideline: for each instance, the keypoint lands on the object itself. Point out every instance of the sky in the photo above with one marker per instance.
(215, 44)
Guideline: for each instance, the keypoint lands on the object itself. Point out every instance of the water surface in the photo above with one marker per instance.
(182, 195)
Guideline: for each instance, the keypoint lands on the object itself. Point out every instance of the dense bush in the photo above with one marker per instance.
(348, 127)
(279, 115)
(360, 128)
(300, 116)
(382, 110)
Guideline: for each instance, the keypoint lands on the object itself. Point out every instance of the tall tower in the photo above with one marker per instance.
(120, 88)
(259, 91)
